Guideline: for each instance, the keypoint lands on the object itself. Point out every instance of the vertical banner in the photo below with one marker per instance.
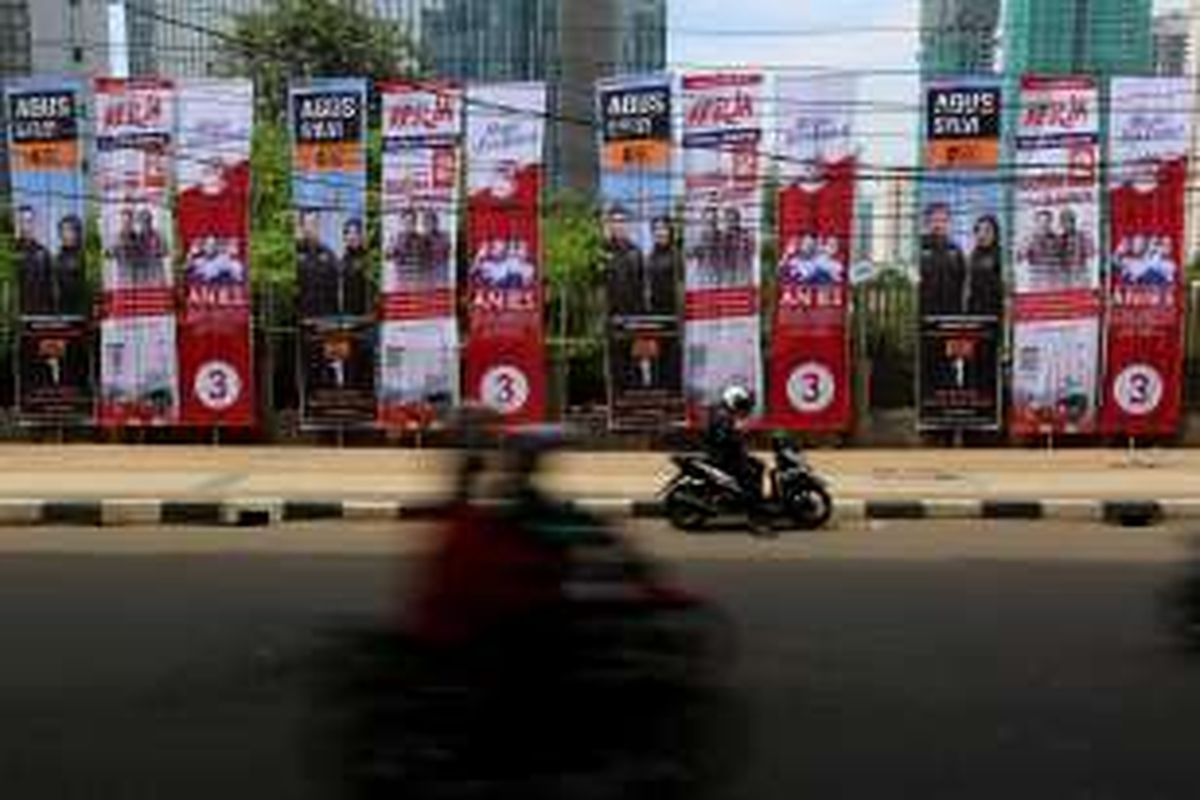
(213, 213)
(1056, 326)
(422, 155)
(810, 374)
(644, 264)
(722, 140)
(505, 362)
(45, 159)
(329, 187)
(1150, 135)
(961, 257)
(139, 371)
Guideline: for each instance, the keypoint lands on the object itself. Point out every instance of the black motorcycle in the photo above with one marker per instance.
(700, 492)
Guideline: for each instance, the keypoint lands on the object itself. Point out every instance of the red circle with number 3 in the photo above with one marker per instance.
(217, 386)
(811, 388)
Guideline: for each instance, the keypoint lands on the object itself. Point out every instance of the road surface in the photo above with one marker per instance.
(894, 660)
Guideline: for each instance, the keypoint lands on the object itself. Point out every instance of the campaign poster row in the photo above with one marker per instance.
(1097, 337)
(664, 372)
(170, 352)
(414, 323)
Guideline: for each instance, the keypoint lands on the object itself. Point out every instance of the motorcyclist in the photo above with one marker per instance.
(727, 449)
(500, 569)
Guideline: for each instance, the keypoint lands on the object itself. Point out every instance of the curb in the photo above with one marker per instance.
(262, 512)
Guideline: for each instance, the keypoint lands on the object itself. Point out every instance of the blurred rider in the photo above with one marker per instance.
(726, 446)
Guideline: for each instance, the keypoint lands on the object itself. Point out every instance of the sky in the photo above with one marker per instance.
(821, 34)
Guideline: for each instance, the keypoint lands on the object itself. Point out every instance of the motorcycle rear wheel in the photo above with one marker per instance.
(683, 511)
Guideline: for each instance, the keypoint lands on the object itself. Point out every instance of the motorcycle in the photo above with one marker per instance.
(699, 492)
(618, 692)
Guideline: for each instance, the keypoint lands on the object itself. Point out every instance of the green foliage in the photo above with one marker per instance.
(8, 259)
(289, 39)
(271, 236)
(1193, 270)
(574, 250)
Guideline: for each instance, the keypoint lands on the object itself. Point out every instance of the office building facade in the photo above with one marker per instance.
(567, 44)
(959, 37)
(1172, 43)
(1101, 37)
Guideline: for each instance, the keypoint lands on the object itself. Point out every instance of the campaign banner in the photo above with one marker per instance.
(329, 186)
(134, 161)
(505, 360)
(643, 260)
(810, 374)
(422, 163)
(722, 139)
(1056, 292)
(961, 257)
(1149, 139)
(338, 365)
(963, 123)
(48, 194)
(213, 215)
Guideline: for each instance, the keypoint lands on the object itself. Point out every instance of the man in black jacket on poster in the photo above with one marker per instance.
(318, 268)
(943, 266)
(624, 271)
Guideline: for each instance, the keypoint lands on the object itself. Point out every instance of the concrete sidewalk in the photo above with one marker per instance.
(165, 472)
(103, 484)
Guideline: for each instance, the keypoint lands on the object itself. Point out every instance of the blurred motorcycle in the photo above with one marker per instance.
(617, 692)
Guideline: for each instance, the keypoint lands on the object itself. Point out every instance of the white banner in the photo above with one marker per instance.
(722, 141)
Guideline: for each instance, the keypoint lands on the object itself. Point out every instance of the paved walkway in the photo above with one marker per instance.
(198, 473)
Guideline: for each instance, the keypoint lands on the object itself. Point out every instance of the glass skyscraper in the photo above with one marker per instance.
(15, 52)
(959, 37)
(1103, 37)
(567, 43)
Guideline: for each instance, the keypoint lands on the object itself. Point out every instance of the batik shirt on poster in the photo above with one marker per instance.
(422, 155)
(139, 371)
(722, 141)
(1057, 308)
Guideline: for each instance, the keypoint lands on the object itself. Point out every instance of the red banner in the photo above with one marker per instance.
(1150, 139)
(810, 359)
(504, 360)
(213, 164)
(810, 372)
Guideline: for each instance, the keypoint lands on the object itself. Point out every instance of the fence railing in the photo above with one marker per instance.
(884, 330)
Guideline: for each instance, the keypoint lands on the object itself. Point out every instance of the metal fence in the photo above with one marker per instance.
(883, 325)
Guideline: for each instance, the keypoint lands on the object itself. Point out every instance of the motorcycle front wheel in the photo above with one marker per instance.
(810, 507)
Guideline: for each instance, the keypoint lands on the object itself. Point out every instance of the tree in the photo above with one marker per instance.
(289, 39)
(271, 241)
(574, 250)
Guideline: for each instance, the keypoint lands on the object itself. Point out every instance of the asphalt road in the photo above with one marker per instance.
(900, 660)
